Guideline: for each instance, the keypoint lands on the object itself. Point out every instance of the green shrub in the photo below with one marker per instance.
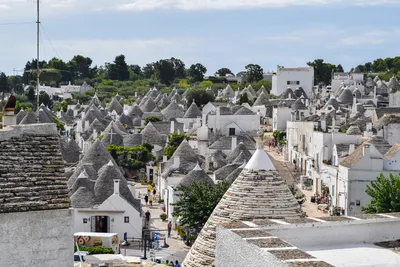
(163, 216)
(96, 250)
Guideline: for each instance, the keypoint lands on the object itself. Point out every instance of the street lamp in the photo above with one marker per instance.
(187, 199)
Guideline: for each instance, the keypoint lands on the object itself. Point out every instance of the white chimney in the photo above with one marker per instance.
(165, 158)
(79, 126)
(204, 120)
(87, 124)
(292, 116)
(234, 142)
(351, 148)
(172, 126)
(116, 186)
(366, 150)
(177, 162)
(290, 95)
(217, 118)
(323, 125)
(369, 127)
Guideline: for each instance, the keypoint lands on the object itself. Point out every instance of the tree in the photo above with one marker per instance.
(133, 158)
(197, 202)
(179, 68)
(379, 65)
(339, 68)
(79, 67)
(384, 193)
(174, 140)
(254, 73)
(30, 93)
(200, 96)
(196, 72)
(3, 84)
(45, 99)
(60, 65)
(148, 70)
(164, 70)
(223, 72)
(136, 69)
(267, 85)
(119, 69)
(322, 71)
(151, 119)
(244, 98)
(16, 83)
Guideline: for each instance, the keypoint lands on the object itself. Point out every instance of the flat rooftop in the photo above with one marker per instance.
(364, 240)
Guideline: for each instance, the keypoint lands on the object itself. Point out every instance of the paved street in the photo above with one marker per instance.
(290, 176)
(177, 250)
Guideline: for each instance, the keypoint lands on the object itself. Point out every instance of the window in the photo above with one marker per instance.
(293, 82)
(211, 165)
(84, 220)
(126, 219)
(231, 131)
(212, 130)
(358, 202)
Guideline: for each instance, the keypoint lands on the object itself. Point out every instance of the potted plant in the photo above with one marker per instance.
(142, 181)
(163, 216)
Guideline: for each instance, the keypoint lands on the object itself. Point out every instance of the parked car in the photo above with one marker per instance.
(77, 259)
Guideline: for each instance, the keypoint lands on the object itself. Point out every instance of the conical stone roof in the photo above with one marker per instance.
(196, 175)
(112, 135)
(243, 157)
(236, 152)
(89, 171)
(30, 118)
(346, 96)
(262, 194)
(82, 198)
(164, 102)
(104, 186)
(262, 100)
(173, 111)
(298, 104)
(115, 105)
(82, 181)
(21, 114)
(43, 117)
(193, 111)
(353, 130)
(149, 105)
(251, 90)
(152, 136)
(97, 155)
(135, 111)
(262, 90)
(125, 120)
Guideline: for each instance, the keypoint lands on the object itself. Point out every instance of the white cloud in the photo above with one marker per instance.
(333, 37)
(25, 8)
(140, 5)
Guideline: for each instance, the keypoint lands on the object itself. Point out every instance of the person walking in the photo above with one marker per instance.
(148, 215)
(146, 199)
(171, 264)
(149, 188)
(167, 263)
(177, 264)
(169, 229)
(151, 200)
(154, 192)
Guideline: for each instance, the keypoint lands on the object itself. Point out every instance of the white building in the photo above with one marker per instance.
(234, 121)
(293, 77)
(361, 167)
(351, 80)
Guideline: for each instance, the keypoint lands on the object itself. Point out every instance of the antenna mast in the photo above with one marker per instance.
(37, 55)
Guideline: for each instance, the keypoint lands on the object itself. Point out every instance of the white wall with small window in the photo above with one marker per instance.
(293, 78)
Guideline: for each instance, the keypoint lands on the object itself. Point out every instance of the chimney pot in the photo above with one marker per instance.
(116, 186)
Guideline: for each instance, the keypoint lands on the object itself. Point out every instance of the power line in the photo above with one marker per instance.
(48, 39)
(16, 23)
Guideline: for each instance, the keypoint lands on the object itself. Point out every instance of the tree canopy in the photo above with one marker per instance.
(223, 72)
(197, 202)
(323, 71)
(200, 96)
(254, 73)
(196, 72)
(384, 193)
(174, 140)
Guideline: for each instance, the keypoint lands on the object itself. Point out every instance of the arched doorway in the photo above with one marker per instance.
(100, 224)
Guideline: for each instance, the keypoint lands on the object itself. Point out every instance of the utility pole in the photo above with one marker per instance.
(37, 55)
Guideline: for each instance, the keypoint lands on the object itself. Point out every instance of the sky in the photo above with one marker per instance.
(216, 33)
